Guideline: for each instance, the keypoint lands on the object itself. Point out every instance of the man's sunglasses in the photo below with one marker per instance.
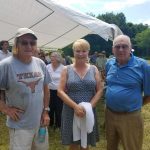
(26, 43)
(124, 46)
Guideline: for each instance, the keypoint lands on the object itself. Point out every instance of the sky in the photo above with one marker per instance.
(135, 11)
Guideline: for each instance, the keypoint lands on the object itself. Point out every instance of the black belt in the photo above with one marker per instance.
(122, 112)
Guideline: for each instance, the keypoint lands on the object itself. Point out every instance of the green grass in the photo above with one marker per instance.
(54, 136)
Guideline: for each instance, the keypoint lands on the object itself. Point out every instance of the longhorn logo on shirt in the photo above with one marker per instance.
(31, 85)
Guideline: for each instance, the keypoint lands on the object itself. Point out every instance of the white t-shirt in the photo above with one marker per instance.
(4, 55)
(55, 76)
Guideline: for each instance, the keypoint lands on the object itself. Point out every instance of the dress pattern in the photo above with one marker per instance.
(80, 90)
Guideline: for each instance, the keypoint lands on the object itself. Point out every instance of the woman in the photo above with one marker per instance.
(55, 69)
(79, 82)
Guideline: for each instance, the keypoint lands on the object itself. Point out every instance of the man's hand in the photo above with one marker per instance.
(45, 119)
(13, 113)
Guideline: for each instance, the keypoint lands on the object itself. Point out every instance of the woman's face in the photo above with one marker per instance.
(80, 54)
(54, 58)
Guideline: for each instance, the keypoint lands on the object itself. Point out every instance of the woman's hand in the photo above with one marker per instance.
(79, 111)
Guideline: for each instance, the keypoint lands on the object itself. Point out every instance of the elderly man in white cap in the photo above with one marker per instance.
(25, 79)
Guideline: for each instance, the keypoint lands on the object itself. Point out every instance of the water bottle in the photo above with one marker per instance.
(42, 134)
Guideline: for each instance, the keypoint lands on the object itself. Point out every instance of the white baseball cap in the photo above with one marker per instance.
(23, 31)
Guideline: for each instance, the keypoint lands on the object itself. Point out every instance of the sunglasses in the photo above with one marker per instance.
(121, 46)
(26, 43)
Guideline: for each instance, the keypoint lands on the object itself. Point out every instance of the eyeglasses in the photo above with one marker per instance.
(26, 43)
(121, 46)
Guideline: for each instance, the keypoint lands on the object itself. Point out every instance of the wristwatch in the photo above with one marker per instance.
(46, 109)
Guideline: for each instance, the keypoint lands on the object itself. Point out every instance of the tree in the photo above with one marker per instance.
(133, 29)
(119, 19)
(143, 41)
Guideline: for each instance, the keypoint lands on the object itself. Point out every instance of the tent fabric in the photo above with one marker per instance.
(56, 26)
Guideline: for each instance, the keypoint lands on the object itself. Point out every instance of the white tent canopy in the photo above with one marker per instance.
(56, 26)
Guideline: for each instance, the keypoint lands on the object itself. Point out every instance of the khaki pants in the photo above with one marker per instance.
(26, 140)
(126, 128)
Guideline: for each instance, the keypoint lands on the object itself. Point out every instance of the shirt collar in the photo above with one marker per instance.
(129, 63)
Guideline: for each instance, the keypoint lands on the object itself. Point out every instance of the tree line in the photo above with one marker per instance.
(139, 34)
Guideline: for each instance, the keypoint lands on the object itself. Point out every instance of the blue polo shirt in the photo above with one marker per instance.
(126, 84)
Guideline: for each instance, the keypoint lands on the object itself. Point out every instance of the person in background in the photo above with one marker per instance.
(42, 56)
(68, 60)
(55, 69)
(4, 52)
(37, 52)
(104, 64)
(93, 58)
(25, 79)
(63, 61)
(128, 80)
(80, 82)
(100, 64)
(47, 57)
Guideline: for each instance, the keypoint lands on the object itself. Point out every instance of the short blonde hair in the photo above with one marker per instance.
(81, 44)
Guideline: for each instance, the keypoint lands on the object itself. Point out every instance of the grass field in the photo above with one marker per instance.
(55, 142)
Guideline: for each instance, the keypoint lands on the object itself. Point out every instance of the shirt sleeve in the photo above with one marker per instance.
(146, 79)
(3, 75)
(47, 77)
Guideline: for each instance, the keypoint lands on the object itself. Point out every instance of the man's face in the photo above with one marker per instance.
(122, 50)
(26, 45)
(5, 46)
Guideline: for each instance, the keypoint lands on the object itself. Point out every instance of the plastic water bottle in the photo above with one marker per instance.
(42, 134)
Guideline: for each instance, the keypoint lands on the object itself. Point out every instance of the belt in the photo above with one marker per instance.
(122, 112)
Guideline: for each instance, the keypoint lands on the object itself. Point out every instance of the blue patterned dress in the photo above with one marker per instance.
(79, 90)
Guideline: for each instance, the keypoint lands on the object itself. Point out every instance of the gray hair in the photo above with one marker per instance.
(58, 56)
(122, 37)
